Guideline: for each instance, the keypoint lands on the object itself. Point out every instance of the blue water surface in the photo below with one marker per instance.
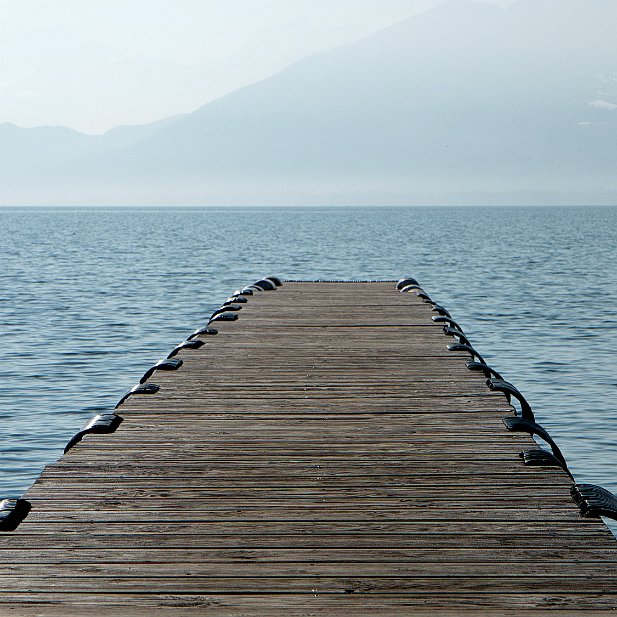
(90, 298)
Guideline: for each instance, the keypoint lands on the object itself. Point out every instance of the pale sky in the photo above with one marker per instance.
(92, 65)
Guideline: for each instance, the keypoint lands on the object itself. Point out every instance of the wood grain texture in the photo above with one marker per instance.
(323, 454)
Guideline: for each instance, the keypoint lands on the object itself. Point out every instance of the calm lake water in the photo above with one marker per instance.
(90, 298)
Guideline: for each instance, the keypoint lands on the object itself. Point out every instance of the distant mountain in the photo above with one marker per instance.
(27, 150)
(468, 103)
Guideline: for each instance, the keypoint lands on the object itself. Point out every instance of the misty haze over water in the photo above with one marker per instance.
(468, 103)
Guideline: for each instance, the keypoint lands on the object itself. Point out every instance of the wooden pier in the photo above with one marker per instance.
(322, 454)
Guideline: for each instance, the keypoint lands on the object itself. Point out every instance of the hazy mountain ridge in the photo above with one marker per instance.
(466, 100)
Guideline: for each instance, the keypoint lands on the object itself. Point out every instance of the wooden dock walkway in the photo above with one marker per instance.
(322, 454)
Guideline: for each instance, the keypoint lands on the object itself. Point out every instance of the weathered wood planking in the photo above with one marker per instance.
(323, 454)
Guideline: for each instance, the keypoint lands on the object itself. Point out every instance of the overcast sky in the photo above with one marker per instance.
(91, 65)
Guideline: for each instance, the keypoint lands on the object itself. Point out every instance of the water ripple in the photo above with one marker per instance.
(94, 296)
